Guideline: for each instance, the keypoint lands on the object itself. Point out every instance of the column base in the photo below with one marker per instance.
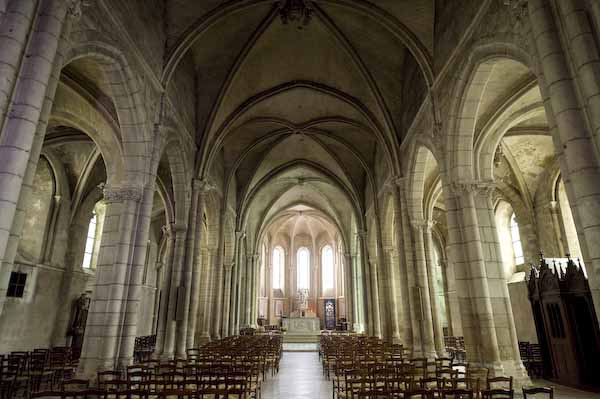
(515, 369)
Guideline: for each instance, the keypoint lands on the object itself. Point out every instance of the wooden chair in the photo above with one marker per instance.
(545, 391)
(499, 387)
(75, 385)
(457, 394)
(497, 394)
(419, 394)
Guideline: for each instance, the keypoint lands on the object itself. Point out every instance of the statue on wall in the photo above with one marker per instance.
(302, 298)
(79, 315)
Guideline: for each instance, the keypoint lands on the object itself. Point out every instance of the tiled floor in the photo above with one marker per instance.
(301, 377)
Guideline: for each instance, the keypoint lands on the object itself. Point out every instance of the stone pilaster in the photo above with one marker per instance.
(349, 290)
(175, 293)
(375, 305)
(169, 233)
(227, 298)
(366, 304)
(405, 299)
(421, 290)
(207, 294)
(202, 188)
(438, 332)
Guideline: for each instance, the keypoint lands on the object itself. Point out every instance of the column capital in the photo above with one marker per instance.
(553, 206)
(228, 266)
(255, 257)
(74, 9)
(389, 249)
(421, 224)
(362, 233)
(118, 194)
(240, 234)
(482, 188)
(167, 230)
(400, 181)
(202, 185)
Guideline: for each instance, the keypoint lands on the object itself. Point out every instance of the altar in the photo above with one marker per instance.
(302, 325)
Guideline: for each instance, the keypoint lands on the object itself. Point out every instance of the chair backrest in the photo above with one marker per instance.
(500, 383)
(547, 392)
(457, 394)
(498, 394)
(419, 394)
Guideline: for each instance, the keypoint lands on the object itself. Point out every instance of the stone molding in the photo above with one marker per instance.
(178, 228)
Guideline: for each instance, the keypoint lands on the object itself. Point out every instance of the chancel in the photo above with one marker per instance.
(299, 198)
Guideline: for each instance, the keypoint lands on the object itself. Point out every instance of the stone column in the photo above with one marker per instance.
(365, 283)
(207, 295)
(270, 309)
(249, 282)
(438, 332)
(394, 297)
(479, 327)
(451, 298)
(255, 289)
(584, 54)
(28, 110)
(169, 232)
(422, 290)
(407, 331)
(109, 302)
(175, 293)
(183, 309)
(414, 293)
(227, 298)
(349, 290)
(573, 140)
(219, 282)
(17, 23)
(374, 272)
(236, 288)
(202, 187)
(554, 209)
(134, 276)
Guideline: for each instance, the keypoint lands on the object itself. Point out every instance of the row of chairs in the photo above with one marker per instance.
(531, 355)
(144, 347)
(234, 367)
(366, 368)
(455, 347)
(24, 372)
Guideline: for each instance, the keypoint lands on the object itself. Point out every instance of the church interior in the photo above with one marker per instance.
(299, 199)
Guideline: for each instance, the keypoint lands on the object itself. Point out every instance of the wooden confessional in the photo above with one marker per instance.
(566, 323)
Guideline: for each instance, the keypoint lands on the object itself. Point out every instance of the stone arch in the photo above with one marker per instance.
(127, 96)
(229, 239)
(418, 159)
(180, 175)
(466, 97)
(212, 144)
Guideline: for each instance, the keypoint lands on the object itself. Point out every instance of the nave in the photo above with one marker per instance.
(180, 172)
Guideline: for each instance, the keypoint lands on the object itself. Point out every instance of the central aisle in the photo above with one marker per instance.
(300, 377)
